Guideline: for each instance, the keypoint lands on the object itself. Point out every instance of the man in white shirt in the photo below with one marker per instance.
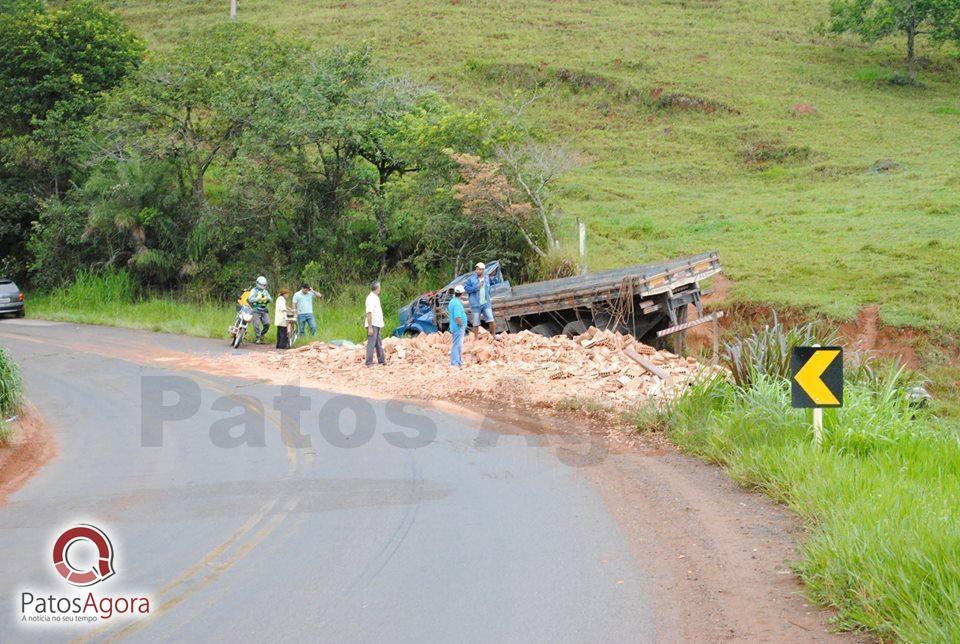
(374, 323)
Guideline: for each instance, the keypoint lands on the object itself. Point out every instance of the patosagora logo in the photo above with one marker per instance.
(82, 556)
(94, 574)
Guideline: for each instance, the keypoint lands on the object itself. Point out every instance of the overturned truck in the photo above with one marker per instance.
(647, 301)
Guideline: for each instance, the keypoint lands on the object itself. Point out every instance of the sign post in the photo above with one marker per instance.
(816, 381)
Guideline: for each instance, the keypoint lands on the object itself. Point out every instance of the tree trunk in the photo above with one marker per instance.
(198, 191)
(381, 213)
(233, 9)
(911, 53)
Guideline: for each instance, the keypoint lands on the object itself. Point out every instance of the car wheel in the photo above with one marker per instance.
(21, 313)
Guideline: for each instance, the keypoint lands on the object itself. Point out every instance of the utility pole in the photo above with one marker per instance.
(233, 9)
(582, 232)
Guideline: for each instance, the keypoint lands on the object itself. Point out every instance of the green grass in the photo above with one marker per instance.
(109, 298)
(880, 498)
(808, 226)
(11, 391)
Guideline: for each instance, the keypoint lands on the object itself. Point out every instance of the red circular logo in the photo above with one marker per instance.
(95, 573)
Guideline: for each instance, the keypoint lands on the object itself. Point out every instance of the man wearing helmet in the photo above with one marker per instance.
(259, 300)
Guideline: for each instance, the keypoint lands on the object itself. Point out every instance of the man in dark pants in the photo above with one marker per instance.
(374, 323)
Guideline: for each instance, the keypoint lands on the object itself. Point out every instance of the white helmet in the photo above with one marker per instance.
(262, 281)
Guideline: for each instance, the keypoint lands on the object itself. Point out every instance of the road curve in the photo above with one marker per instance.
(461, 539)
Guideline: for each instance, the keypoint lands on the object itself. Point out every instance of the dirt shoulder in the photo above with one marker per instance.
(30, 446)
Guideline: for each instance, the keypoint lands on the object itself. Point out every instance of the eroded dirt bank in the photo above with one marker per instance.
(30, 445)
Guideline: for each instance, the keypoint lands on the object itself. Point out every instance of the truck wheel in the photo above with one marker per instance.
(575, 328)
(603, 321)
(547, 329)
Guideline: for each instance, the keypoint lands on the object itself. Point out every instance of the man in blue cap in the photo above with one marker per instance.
(458, 326)
(477, 287)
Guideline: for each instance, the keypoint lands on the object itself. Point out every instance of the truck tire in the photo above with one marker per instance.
(575, 328)
(547, 329)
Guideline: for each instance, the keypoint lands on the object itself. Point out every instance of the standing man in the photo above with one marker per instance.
(374, 323)
(478, 287)
(259, 300)
(458, 326)
(303, 303)
(280, 319)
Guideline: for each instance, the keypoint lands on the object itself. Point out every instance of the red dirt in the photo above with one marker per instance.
(866, 334)
(31, 446)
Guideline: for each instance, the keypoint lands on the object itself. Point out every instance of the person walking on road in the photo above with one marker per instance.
(374, 324)
(458, 326)
(478, 288)
(259, 300)
(280, 319)
(303, 303)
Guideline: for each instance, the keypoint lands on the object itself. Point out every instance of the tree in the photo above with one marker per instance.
(66, 57)
(54, 69)
(516, 188)
(192, 105)
(872, 20)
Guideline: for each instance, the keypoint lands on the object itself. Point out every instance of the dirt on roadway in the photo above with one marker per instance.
(718, 556)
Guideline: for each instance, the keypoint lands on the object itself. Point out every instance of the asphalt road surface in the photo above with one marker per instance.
(429, 527)
(450, 541)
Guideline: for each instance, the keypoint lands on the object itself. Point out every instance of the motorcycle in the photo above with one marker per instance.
(238, 331)
(293, 328)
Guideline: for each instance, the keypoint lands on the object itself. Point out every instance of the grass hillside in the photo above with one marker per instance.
(725, 124)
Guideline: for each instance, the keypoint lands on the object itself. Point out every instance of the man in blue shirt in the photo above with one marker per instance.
(478, 287)
(458, 326)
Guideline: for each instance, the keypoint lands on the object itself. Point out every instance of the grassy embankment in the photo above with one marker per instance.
(111, 299)
(11, 392)
(790, 196)
(879, 498)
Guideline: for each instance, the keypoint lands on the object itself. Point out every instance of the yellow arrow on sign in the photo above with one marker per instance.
(809, 377)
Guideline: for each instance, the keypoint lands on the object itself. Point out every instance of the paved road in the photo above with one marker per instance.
(464, 539)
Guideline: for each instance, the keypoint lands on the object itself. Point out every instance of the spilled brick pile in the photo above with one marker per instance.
(603, 367)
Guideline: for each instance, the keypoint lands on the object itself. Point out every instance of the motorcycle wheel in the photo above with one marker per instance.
(238, 338)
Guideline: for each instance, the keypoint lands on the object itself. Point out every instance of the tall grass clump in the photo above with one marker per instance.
(11, 391)
(880, 498)
(97, 289)
(767, 351)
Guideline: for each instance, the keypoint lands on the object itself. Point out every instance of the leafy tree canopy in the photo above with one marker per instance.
(875, 19)
(62, 58)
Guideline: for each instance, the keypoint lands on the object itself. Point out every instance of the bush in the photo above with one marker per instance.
(558, 263)
(767, 351)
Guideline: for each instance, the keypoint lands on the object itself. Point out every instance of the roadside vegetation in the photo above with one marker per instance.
(879, 498)
(738, 127)
(825, 182)
(113, 299)
(11, 392)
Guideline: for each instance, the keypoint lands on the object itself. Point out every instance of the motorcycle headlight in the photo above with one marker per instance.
(247, 317)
